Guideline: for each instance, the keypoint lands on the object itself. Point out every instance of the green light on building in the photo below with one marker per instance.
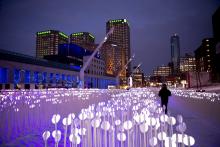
(118, 21)
(43, 33)
(62, 34)
(91, 36)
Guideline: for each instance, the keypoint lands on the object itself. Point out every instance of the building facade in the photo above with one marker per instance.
(216, 35)
(111, 54)
(121, 37)
(205, 56)
(162, 71)
(47, 42)
(216, 24)
(83, 39)
(138, 78)
(22, 71)
(175, 53)
(187, 63)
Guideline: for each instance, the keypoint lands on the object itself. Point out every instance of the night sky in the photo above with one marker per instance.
(152, 22)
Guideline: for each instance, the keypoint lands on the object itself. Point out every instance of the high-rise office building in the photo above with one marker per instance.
(175, 53)
(48, 42)
(83, 39)
(121, 36)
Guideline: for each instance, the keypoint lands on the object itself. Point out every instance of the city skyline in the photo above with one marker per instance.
(21, 20)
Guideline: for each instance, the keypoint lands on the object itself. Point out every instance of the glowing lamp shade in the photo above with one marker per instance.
(139, 118)
(56, 135)
(82, 131)
(171, 121)
(95, 122)
(182, 127)
(179, 118)
(153, 141)
(188, 140)
(151, 121)
(144, 128)
(55, 118)
(75, 131)
(121, 136)
(170, 142)
(74, 139)
(162, 136)
(117, 122)
(90, 115)
(163, 118)
(82, 116)
(46, 135)
(72, 115)
(127, 125)
(66, 121)
(105, 125)
(177, 137)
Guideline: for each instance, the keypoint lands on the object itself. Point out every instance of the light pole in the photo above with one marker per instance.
(82, 70)
(124, 67)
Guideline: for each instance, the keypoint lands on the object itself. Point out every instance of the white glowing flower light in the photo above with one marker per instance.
(72, 115)
(46, 135)
(117, 122)
(127, 125)
(105, 125)
(161, 135)
(188, 140)
(153, 141)
(95, 122)
(55, 118)
(170, 142)
(67, 121)
(82, 131)
(121, 137)
(144, 127)
(171, 121)
(163, 118)
(74, 139)
(56, 135)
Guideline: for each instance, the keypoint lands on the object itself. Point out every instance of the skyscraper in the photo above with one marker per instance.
(175, 53)
(121, 36)
(48, 42)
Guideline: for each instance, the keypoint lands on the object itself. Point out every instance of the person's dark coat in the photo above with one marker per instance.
(164, 93)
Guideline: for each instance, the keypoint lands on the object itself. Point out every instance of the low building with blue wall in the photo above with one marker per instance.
(22, 71)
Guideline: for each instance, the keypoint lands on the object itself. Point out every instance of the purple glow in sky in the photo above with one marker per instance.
(152, 22)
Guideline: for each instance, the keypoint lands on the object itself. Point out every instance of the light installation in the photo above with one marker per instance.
(93, 117)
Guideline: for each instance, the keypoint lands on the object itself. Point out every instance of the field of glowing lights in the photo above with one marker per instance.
(108, 118)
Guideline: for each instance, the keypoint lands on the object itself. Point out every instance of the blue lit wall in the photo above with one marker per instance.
(3, 75)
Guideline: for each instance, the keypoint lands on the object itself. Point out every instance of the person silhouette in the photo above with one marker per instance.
(164, 93)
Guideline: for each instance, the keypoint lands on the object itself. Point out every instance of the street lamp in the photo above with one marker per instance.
(82, 70)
